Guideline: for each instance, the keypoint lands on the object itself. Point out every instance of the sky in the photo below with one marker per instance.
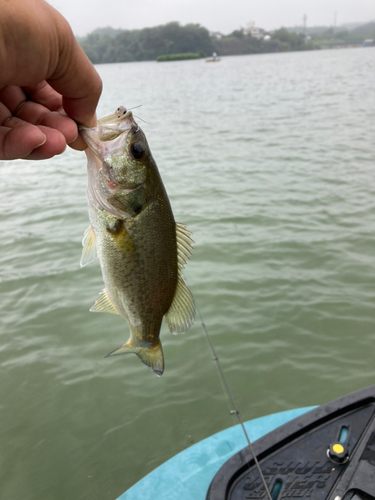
(223, 15)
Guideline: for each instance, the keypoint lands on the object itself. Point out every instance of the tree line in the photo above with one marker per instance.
(107, 45)
(102, 46)
(239, 42)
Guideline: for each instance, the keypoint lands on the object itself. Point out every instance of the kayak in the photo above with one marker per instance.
(325, 452)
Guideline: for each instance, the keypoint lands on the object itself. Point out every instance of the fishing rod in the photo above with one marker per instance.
(235, 411)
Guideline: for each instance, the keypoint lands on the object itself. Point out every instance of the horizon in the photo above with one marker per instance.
(85, 16)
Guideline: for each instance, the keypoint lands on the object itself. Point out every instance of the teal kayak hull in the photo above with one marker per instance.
(188, 475)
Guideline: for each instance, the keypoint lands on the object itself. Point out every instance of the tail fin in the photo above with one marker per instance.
(151, 356)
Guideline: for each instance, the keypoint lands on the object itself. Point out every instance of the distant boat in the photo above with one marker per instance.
(214, 58)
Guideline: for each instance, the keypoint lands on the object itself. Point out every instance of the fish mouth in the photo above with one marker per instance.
(108, 138)
(97, 152)
(109, 127)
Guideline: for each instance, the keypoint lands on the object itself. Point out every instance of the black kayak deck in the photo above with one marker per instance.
(325, 454)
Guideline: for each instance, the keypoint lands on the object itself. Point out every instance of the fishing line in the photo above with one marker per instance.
(134, 107)
(139, 118)
(235, 411)
(135, 116)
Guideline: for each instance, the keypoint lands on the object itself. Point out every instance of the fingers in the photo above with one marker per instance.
(54, 145)
(44, 94)
(15, 102)
(65, 125)
(25, 141)
(57, 74)
(20, 141)
(17, 141)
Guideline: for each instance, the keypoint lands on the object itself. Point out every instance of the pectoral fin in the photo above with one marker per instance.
(151, 356)
(89, 247)
(104, 304)
(180, 316)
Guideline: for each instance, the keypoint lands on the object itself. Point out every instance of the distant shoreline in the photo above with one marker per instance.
(175, 42)
(203, 59)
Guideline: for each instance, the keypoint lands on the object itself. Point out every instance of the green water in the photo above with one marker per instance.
(270, 161)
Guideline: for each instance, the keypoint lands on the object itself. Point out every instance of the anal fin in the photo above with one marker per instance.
(104, 304)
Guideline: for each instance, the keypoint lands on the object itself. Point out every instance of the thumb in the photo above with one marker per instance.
(75, 78)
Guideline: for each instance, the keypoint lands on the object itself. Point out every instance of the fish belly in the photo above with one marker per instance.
(138, 257)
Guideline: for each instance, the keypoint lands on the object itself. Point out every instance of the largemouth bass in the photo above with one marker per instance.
(141, 249)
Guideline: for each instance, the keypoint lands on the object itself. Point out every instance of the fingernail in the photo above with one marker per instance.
(75, 138)
(41, 144)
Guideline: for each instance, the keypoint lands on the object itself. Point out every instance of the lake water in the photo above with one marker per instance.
(270, 160)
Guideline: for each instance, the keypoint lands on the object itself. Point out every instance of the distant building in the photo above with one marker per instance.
(369, 42)
(252, 30)
(216, 34)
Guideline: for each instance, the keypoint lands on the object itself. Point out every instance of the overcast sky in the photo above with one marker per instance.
(222, 15)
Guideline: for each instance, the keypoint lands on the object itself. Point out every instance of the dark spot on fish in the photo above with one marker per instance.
(137, 209)
(137, 150)
(117, 226)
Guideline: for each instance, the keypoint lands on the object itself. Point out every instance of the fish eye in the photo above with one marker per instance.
(137, 150)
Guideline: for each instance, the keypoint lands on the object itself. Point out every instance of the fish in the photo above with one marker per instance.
(141, 249)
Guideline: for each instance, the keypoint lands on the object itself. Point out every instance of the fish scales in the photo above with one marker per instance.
(140, 265)
(140, 248)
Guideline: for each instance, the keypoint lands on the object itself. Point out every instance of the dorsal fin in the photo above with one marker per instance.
(184, 245)
(180, 316)
(181, 313)
(104, 304)
(89, 247)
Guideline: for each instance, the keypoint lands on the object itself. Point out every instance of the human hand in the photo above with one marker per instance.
(47, 83)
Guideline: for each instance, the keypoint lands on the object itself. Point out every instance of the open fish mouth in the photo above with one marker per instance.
(108, 138)
(109, 127)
